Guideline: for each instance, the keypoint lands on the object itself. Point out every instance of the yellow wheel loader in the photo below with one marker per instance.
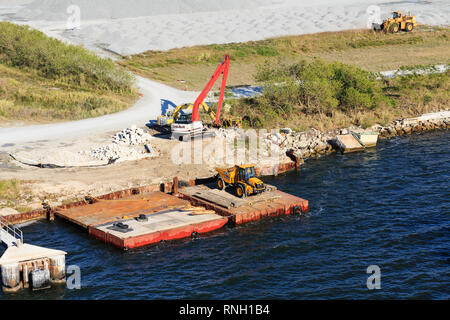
(399, 22)
(242, 178)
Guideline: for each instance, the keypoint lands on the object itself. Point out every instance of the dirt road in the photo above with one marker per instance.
(155, 97)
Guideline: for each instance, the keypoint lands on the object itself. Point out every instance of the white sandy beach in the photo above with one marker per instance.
(134, 26)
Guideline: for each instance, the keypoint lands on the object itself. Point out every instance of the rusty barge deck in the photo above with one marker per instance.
(252, 208)
(141, 218)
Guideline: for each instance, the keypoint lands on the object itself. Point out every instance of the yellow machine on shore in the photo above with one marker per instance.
(172, 115)
(398, 22)
(241, 177)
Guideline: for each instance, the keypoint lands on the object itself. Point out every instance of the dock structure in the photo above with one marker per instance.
(129, 220)
(157, 227)
(347, 143)
(24, 265)
(242, 210)
(354, 141)
(139, 220)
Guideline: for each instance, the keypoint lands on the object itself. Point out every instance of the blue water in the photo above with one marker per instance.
(388, 207)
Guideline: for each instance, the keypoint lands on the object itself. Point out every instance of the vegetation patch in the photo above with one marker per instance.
(44, 79)
(10, 189)
(331, 95)
(369, 50)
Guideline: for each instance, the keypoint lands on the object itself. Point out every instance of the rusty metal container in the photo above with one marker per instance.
(58, 269)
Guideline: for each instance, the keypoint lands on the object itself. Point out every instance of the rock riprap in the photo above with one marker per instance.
(127, 144)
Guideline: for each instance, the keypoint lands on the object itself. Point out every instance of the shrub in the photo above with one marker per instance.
(319, 87)
(23, 47)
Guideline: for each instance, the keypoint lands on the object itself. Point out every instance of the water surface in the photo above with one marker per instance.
(388, 206)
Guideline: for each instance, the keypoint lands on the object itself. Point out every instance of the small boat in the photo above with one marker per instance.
(354, 141)
(346, 143)
(368, 138)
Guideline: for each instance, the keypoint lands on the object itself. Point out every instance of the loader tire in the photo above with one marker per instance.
(240, 191)
(394, 28)
(220, 184)
(409, 27)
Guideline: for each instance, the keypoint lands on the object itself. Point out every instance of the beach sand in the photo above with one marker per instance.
(134, 26)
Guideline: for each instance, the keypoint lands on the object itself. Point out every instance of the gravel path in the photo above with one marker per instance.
(145, 110)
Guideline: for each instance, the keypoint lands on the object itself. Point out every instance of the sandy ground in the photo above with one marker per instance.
(69, 184)
(145, 110)
(110, 25)
(58, 185)
(124, 27)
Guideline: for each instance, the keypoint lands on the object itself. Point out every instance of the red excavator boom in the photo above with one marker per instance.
(223, 67)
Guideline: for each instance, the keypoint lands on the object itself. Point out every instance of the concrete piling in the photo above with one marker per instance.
(40, 278)
(25, 276)
(31, 266)
(11, 277)
(58, 269)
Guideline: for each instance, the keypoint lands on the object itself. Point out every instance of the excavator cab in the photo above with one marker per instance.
(184, 118)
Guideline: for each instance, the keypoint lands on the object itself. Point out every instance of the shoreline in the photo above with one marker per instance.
(301, 146)
(314, 143)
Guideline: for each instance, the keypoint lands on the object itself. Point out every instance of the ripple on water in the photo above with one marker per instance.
(388, 206)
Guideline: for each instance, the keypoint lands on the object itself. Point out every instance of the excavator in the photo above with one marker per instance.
(171, 115)
(184, 129)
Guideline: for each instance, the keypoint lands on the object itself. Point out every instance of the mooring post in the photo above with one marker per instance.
(11, 277)
(58, 269)
(50, 215)
(49, 212)
(175, 186)
(25, 276)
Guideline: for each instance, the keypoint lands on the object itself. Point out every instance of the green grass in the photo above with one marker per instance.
(341, 89)
(334, 95)
(43, 79)
(10, 189)
(372, 51)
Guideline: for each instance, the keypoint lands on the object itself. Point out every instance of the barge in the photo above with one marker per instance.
(141, 217)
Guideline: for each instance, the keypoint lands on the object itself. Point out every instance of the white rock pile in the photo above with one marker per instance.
(229, 134)
(133, 136)
(128, 144)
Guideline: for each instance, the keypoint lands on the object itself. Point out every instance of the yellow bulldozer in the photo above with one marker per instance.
(399, 22)
(242, 178)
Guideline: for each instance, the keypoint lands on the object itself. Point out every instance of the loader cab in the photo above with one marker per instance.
(246, 173)
(397, 15)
